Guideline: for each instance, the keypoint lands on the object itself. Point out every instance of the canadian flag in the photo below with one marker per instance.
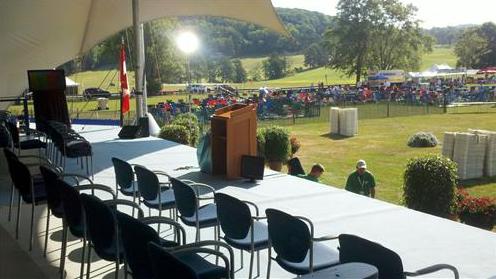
(124, 84)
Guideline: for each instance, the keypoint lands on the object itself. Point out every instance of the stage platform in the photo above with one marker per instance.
(419, 239)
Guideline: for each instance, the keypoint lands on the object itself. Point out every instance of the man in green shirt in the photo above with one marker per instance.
(316, 171)
(361, 181)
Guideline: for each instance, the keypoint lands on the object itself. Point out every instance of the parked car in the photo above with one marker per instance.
(94, 92)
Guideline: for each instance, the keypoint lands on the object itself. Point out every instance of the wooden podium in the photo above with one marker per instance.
(234, 133)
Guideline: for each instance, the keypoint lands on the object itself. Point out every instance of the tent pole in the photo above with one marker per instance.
(140, 63)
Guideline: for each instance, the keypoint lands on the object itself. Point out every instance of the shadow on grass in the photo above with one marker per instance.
(477, 182)
(334, 136)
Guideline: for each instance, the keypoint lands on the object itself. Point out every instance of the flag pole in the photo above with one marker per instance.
(121, 121)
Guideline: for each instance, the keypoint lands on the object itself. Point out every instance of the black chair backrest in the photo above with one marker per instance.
(10, 156)
(166, 265)
(295, 167)
(135, 237)
(123, 173)
(289, 236)
(72, 208)
(186, 200)
(100, 222)
(20, 175)
(50, 178)
(234, 216)
(14, 132)
(148, 183)
(356, 249)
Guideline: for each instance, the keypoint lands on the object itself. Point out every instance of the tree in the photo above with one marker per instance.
(226, 70)
(469, 48)
(476, 47)
(275, 66)
(375, 34)
(239, 71)
(316, 56)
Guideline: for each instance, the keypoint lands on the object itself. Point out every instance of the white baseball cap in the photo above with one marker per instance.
(361, 164)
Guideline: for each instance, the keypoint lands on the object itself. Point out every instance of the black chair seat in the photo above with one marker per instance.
(168, 243)
(207, 216)
(323, 257)
(166, 199)
(78, 148)
(31, 144)
(260, 238)
(201, 266)
(131, 190)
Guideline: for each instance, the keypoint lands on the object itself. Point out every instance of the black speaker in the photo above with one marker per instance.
(144, 130)
(129, 132)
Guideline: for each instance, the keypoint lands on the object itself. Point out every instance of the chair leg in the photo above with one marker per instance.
(268, 264)
(31, 230)
(241, 258)
(81, 271)
(125, 270)
(88, 262)
(258, 263)
(117, 268)
(46, 232)
(18, 214)
(12, 189)
(251, 263)
(63, 251)
(197, 234)
(159, 215)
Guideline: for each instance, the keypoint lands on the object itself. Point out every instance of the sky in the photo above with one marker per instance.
(432, 13)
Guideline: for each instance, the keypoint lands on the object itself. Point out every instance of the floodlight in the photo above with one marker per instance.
(187, 42)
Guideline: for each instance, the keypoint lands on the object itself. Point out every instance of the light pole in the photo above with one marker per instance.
(188, 43)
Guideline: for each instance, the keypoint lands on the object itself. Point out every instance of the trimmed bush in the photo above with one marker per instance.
(190, 122)
(176, 133)
(261, 142)
(422, 139)
(429, 185)
(277, 146)
(476, 211)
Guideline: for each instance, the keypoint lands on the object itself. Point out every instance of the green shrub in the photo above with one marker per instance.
(422, 139)
(190, 122)
(176, 133)
(261, 142)
(277, 146)
(429, 185)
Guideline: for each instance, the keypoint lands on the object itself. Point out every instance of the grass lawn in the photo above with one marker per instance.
(382, 143)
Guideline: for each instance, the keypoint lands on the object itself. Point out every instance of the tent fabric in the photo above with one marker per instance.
(48, 33)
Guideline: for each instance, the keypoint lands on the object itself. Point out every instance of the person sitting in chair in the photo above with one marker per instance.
(361, 181)
(315, 173)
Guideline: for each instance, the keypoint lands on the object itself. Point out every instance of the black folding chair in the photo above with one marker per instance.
(188, 204)
(186, 261)
(73, 216)
(353, 248)
(137, 233)
(298, 252)
(102, 229)
(242, 230)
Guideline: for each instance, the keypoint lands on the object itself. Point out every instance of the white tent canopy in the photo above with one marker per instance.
(44, 34)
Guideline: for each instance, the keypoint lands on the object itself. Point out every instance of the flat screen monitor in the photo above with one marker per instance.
(252, 167)
(46, 80)
(50, 104)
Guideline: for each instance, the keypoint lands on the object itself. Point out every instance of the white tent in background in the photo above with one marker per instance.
(439, 68)
(45, 34)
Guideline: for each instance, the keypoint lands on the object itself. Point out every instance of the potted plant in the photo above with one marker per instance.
(277, 147)
(476, 211)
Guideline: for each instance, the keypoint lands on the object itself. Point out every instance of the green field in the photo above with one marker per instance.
(382, 143)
